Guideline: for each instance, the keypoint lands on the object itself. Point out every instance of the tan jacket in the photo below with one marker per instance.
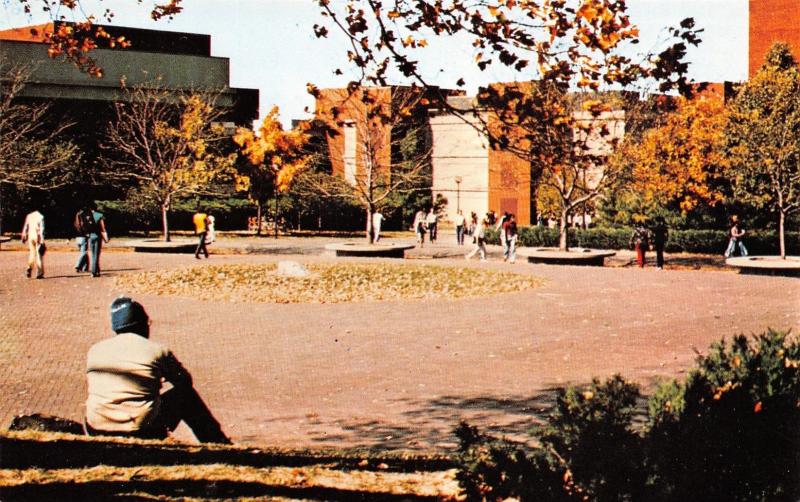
(124, 376)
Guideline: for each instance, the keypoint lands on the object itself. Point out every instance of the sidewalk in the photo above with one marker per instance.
(387, 375)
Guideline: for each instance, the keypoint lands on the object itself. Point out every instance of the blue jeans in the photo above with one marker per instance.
(95, 243)
(460, 234)
(732, 245)
(83, 259)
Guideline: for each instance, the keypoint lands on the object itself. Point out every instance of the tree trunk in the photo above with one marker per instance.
(165, 221)
(370, 228)
(258, 216)
(782, 234)
(563, 227)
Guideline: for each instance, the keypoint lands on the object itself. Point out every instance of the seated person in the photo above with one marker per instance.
(125, 375)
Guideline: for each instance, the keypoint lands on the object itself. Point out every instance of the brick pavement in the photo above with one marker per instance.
(393, 375)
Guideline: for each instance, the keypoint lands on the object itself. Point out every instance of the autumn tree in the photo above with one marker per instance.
(274, 158)
(763, 138)
(168, 145)
(33, 154)
(383, 146)
(681, 161)
(562, 46)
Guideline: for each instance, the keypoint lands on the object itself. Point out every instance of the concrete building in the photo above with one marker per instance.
(477, 177)
(178, 61)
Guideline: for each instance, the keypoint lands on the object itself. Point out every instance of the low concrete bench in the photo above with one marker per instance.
(766, 265)
(575, 256)
(157, 246)
(4, 239)
(366, 250)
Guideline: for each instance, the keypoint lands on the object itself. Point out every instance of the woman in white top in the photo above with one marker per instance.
(480, 238)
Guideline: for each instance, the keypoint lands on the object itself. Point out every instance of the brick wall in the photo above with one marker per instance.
(772, 21)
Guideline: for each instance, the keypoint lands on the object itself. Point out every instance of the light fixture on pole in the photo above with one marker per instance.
(458, 193)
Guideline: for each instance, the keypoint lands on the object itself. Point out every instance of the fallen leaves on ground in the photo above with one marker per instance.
(328, 283)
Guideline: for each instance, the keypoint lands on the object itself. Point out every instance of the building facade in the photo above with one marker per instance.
(179, 62)
(772, 21)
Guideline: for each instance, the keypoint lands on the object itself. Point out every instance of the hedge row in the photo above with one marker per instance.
(687, 241)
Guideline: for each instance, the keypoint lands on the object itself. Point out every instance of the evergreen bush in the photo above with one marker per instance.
(730, 432)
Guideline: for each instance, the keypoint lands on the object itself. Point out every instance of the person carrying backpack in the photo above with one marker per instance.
(84, 225)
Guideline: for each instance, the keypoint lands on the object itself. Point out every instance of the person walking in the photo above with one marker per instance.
(735, 242)
(431, 222)
(473, 222)
(33, 234)
(460, 222)
(660, 234)
(125, 375)
(480, 240)
(200, 220)
(509, 232)
(501, 234)
(97, 235)
(84, 221)
(419, 227)
(212, 229)
(640, 241)
(377, 221)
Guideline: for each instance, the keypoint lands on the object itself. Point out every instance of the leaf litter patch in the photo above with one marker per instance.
(328, 283)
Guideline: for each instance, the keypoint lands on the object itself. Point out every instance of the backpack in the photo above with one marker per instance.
(84, 223)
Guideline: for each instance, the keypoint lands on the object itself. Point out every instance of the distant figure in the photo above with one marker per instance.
(125, 374)
(33, 234)
(735, 242)
(660, 234)
(431, 222)
(419, 227)
(509, 233)
(460, 222)
(97, 235)
(377, 221)
(501, 234)
(473, 222)
(84, 222)
(640, 241)
(480, 240)
(200, 220)
(212, 230)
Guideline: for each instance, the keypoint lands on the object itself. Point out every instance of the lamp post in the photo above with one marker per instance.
(458, 193)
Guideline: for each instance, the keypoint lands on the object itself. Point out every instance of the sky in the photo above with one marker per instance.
(272, 47)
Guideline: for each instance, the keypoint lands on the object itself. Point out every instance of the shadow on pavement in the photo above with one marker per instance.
(430, 424)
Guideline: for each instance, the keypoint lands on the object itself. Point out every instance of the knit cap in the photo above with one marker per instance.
(127, 314)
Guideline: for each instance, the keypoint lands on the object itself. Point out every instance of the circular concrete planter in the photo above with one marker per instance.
(766, 265)
(158, 246)
(367, 250)
(575, 256)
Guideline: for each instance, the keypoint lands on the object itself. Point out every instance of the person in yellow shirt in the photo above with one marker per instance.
(200, 220)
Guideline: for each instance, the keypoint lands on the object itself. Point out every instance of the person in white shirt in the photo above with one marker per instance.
(480, 238)
(432, 220)
(377, 220)
(33, 234)
(460, 222)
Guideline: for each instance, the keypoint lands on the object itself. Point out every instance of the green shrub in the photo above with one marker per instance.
(735, 434)
(686, 241)
(731, 432)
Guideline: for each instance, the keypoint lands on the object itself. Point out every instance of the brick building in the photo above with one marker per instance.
(772, 21)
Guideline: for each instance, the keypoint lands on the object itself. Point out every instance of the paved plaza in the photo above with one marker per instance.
(387, 375)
